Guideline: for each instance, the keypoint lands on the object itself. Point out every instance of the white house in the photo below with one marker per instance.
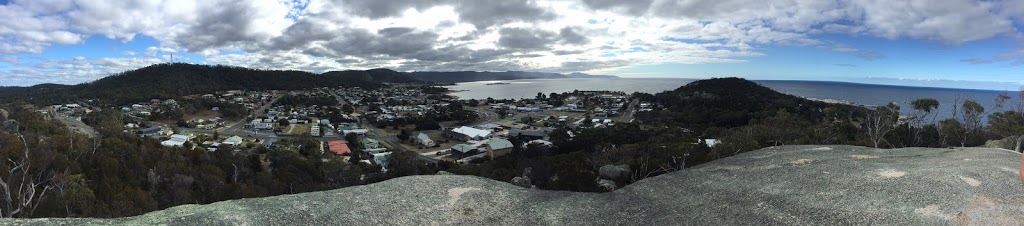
(177, 140)
(424, 140)
(233, 140)
(466, 133)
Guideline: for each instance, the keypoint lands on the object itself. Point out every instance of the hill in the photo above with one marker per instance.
(735, 102)
(373, 75)
(164, 81)
(472, 76)
(785, 185)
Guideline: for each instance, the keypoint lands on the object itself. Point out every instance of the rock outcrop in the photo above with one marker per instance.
(615, 172)
(790, 185)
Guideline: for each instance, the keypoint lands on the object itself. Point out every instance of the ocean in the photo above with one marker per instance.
(860, 94)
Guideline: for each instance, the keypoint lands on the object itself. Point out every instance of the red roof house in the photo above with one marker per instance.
(339, 147)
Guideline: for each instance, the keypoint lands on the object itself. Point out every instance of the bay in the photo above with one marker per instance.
(859, 94)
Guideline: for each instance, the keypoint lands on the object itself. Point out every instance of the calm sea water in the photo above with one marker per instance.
(863, 94)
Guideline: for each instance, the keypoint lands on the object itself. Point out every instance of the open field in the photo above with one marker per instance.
(297, 129)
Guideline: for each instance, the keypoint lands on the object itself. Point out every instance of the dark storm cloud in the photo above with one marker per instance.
(223, 26)
(521, 38)
(302, 33)
(362, 43)
(632, 7)
(569, 35)
(376, 9)
(484, 14)
(394, 31)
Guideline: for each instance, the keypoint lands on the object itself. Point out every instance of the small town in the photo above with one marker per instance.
(364, 126)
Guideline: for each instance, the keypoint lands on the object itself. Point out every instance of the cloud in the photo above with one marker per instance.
(519, 38)
(484, 14)
(869, 55)
(976, 61)
(635, 7)
(863, 54)
(846, 65)
(541, 35)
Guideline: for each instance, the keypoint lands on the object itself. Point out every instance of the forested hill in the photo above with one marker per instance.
(174, 80)
(472, 76)
(373, 75)
(734, 102)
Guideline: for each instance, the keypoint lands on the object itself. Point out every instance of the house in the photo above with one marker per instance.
(369, 143)
(463, 150)
(233, 140)
(268, 142)
(466, 133)
(176, 140)
(149, 131)
(314, 130)
(356, 131)
(531, 134)
(495, 144)
(187, 134)
(339, 147)
(424, 140)
(381, 159)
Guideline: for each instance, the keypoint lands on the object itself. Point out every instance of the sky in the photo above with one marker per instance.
(949, 43)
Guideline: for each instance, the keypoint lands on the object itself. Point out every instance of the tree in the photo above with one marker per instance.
(540, 96)
(972, 115)
(282, 122)
(352, 138)
(1008, 124)
(880, 122)
(923, 108)
(216, 135)
(23, 187)
(403, 136)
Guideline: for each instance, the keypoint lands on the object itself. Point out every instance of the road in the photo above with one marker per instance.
(390, 140)
(393, 142)
(76, 125)
(233, 129)
(630, 111)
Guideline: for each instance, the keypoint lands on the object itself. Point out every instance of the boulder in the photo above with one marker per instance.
(522, 181)
(841, 185)
(615, 172)
(607, 185)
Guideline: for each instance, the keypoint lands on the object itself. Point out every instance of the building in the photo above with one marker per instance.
(176, 140)
(233, 140)
(424, 140)
(314, 130)
(149, 131)
(339, 147)
(530, 134)
(369, 143)
(268, 142)
(466, 133)
(495, 144)
(359, 132)
(463, 150)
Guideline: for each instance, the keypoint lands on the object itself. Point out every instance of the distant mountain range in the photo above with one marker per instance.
(472, 76)
(163, 81)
